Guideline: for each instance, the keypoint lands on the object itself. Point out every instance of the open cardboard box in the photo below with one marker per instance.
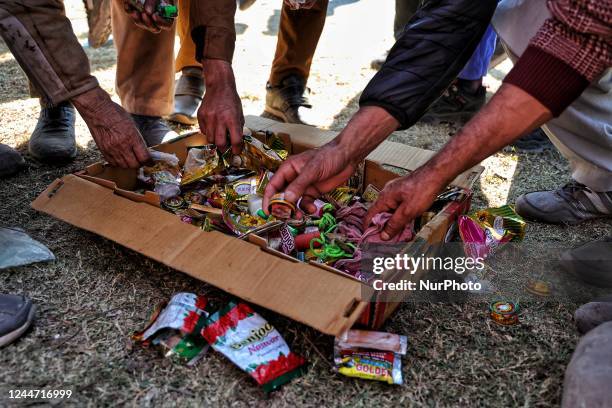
(100, 200)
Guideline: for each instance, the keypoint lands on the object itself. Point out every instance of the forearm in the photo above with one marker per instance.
(368, 128)
(41, 39)
(510, 114)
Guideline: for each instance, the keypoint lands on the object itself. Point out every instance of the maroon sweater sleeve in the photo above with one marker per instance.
(569, 51)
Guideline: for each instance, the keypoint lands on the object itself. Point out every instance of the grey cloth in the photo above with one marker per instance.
(589, 374)
(583, 132)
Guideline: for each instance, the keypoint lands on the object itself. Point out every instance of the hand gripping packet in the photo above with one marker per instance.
(253, 344)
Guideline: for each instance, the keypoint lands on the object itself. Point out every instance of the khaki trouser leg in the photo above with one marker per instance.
(145, 66)
(186, 54)
(43, 43)
(583, 132)
(298, 36)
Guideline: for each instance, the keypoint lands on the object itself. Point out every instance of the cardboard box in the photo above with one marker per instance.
(99, 200)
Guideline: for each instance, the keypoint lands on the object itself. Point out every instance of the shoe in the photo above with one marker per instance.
(10, 161)
(535, 142)
(456, 105)
(99, 21)
(188, 96)
(593, 314)
(16, 316)
(53, 140)
(570, 204)
(591, 263)
(284, 101)
(245, 4)
(153, 129)
(589, 374)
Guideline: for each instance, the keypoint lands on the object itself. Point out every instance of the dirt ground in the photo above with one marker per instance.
(97, 293)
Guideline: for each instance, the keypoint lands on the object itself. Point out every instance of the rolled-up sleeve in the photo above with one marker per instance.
(212, 28)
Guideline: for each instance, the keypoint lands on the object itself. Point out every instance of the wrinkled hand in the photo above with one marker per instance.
(310, 174)
(296, 5)
(148, 18)
(220, 114)
(407, 198)
(112, 129)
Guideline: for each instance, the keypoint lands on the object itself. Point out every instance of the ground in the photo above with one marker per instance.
(97, 293)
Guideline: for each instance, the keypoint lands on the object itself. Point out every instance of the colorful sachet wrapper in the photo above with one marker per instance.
(253, 344)
(370, 355)
(164, 175)
(175, 327)
(485, 231)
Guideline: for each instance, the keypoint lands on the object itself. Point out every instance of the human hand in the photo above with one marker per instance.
(407, 198)
(147, 17)
(221, 111)
(310, 174)
(112, 129)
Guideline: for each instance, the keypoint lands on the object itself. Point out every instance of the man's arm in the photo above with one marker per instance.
(41, 39)
(213, 32)
(434, 47)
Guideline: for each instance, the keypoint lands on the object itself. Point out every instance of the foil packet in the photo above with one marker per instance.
(175, 328)
(164, 174)
(253, 344)
(485, 231)
(201, 162)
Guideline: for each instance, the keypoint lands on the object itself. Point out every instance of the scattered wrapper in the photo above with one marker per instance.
(201, 162)
(175, 328)
(164, 175)
(485, 231)
(370, 355)
(373, 340)
(253, 344)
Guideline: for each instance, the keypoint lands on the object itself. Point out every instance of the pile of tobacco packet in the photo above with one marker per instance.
(370, 355)
(224, 192)
(186, 326)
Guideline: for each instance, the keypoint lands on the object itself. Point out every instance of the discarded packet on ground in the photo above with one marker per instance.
(485, 231)
(175, 328)
(201, 162)
(164, 174)
(370, 355)
(252, 344)
(373, 340)
(383, 366)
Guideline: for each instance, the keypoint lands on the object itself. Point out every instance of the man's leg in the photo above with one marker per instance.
(583, 133)
(298, 36)
(145, 74)
(41, 39)
(189, 89)
(464, 98)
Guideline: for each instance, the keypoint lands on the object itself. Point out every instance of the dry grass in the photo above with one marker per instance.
(97, 293)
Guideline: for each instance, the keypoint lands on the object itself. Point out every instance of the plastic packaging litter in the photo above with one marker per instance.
(17, 248)
(253, 344)
(370, 355)
(164, 174)
(485, 231)
(201, 161)
(175, 328)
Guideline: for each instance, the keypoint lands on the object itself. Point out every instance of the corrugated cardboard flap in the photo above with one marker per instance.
(326, 301)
